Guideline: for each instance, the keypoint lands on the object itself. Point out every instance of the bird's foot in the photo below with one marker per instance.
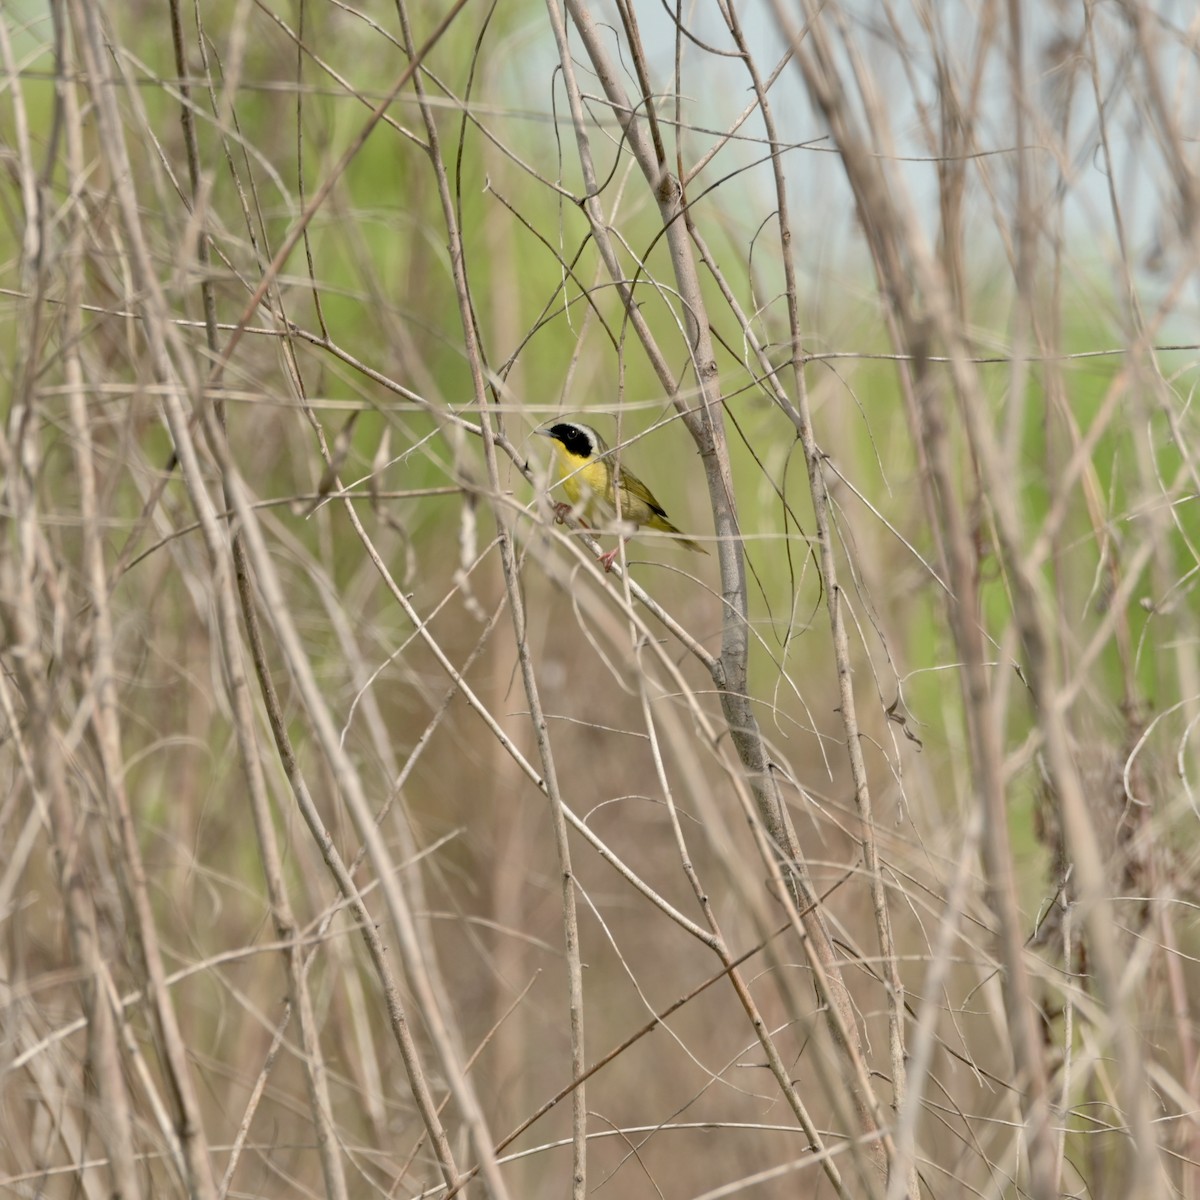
(561, 512)
(608, 558)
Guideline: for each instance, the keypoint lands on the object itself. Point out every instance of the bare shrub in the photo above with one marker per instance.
(365, 836)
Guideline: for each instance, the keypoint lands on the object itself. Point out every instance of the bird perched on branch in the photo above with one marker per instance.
(601, 492)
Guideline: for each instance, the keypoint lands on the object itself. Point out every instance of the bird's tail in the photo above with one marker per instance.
(682, 538)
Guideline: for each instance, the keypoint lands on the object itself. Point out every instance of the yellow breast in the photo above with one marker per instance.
(585, 483)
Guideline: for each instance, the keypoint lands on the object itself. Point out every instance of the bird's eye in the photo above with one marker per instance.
(577, 442)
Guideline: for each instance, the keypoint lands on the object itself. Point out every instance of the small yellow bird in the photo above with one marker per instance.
(586, 472)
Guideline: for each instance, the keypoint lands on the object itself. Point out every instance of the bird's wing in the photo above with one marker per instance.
(636, 488)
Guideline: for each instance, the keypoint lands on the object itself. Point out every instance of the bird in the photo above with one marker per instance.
(586, 472)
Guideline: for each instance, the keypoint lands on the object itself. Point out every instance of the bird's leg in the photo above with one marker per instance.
(610, 556)
(563, 511)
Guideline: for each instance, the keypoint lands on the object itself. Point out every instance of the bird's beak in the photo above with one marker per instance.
(544, 432)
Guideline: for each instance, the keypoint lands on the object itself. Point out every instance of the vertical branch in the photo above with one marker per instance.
(891, 233)
(22, 578)
(920, 297)
(90, 40)
(299, 996)
(708, 429)
(801, 416)
(116, 1120)
(516, 605)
